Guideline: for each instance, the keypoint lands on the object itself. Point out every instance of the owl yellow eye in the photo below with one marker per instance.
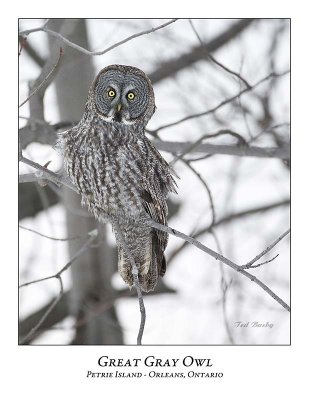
(130, 95)
(111, 93)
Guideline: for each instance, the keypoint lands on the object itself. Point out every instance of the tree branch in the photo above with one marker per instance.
(195, 144)
(85, 247)
(44, 173)
(224, 288)
(230, 218)
(212, 58)
(57, 276)
(88, 52)
(260, 264)
(232, 150)
(47, 135)
(224, 102)
(48, 311)
(47, 77)
(212, 206)
(217, 256)
(171, 67)
(31, 52)
(62, 310)
(50, 237)
(250, 263)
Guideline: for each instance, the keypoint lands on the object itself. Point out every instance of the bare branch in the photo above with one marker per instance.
(191, 160)
(224, 288)
(230, 218)
(250, 263)
(45, 174)
(62, 310)
(269, 129)
(217, 256)
(232, 150)
(47, 135)
(48, 311)
(195, 144)
(223, 103)
(212, 206)
(44, 80)
(58, 277)
(41, 131)
(259, 265)
(27, 32)
(85, 247)
(50, 237)
(212, 58)
(171, 67)
(94, 53)
(27, 178)
(31, 51)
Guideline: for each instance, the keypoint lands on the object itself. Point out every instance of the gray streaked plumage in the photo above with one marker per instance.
(118, 171)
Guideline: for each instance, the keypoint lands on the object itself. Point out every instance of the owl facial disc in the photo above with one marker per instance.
(123, 94)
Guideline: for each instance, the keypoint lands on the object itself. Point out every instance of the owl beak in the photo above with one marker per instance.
(117, 116)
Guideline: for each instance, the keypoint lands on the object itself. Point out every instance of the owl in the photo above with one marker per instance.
(118, 172)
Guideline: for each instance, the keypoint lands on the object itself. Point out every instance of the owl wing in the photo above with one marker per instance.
(157, 182)
(158, 212)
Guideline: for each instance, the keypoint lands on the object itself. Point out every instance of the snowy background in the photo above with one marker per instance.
(194, 313)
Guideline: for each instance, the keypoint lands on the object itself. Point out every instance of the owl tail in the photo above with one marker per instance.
(150, 262)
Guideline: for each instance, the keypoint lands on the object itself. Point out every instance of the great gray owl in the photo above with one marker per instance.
(118, 171)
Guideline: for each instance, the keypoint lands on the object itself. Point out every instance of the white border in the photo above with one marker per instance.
(249, 372)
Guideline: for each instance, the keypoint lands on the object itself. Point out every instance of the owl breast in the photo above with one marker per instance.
(107, 172)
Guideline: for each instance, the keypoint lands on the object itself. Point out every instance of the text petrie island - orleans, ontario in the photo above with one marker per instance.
(155, 363)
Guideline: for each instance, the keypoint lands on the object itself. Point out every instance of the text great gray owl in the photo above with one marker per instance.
(118, 171)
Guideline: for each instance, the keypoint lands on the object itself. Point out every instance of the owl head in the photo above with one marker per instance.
(123, 94)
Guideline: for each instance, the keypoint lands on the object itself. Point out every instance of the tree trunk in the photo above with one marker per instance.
(91, 273)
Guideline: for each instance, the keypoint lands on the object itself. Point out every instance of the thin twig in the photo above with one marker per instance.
(187, 59)
(44, 80)
(195, 144)
(269, 129)
(231, 150)
(260, 264)
(224, 288)
(48, 311)
(204, 183)
(242, 109)
(31, 52)
(230, 218)
(85, 247)
(50, 237)
(250, 263)
(199, 158)
(218, 256)
(212, 58)
(46, 174)
(63, 310)
(94, 53)
(223, 103)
